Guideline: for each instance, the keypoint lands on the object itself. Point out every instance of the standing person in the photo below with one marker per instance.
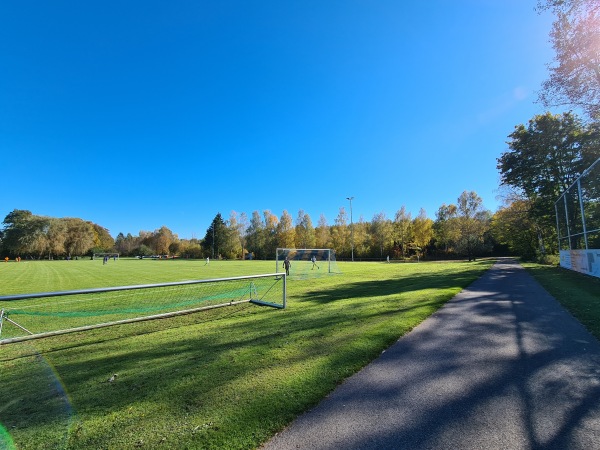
(207, 261)
(314, 261)
(287, 264)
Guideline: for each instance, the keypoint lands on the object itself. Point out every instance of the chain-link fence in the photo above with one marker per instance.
(578, 212)
(578, 223)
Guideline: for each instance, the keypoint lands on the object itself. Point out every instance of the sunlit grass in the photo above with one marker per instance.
(224, 379)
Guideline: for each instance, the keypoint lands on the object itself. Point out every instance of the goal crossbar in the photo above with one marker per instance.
(325, 255)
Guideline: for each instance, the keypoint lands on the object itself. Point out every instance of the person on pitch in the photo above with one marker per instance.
(287, 264)
(314, 261)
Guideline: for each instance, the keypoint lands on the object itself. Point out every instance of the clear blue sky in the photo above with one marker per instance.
(138, 114)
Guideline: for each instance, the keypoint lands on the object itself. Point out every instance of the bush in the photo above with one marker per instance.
(549, 260)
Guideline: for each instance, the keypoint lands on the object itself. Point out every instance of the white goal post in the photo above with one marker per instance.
(321, 255)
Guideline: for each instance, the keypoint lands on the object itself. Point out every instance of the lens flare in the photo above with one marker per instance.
(6, 442)
(40, 398)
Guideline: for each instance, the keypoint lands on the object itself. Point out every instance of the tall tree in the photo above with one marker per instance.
(322, 233)
(271, 222)
(511, 225)
(402, 231)
(256, 236)
(442, 227)
(163, 238)
(126, 245)
(362, 238)
(340, 234)
(216, 237)
(381, 232)
(56, 237)
(285, 231)
(422, 227)
(238, 226)
(575, 71)
(305, 232)
(472, 222)
(15, 231)
(103, 241)
(543, 160)
(79, 236)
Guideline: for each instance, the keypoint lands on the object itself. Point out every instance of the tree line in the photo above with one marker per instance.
(459, 230)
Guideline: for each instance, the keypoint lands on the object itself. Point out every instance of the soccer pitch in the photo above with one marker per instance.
(228, 378)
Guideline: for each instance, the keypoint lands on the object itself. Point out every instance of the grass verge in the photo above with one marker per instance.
(578, 293)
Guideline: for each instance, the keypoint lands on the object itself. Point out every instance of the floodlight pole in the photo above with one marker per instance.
(351, 227)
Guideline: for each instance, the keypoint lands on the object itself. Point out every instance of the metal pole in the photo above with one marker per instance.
(567, 218)
(557, 225)
(585, 239)
(351, 227)
(284, 290)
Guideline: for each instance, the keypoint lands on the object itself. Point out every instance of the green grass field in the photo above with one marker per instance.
(578, 293)
(228, 378)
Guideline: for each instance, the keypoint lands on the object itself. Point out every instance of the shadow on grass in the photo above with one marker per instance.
(188, 370)
(500, 351)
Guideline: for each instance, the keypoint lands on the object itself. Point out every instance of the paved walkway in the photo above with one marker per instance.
(500, 366)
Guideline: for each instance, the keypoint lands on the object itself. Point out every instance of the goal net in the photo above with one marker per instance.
(305, 260)
(108, 255)
(30, 316)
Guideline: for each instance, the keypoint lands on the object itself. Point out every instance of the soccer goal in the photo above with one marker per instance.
(109, 255)
(32, 316)
(322, 259)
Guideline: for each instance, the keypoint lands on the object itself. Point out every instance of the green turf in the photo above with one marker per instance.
(578, 293)
(229, 378)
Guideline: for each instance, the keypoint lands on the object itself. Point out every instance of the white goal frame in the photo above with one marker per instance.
(103, 254)
(329, 254)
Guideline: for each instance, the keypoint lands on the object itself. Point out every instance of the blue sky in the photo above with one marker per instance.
(140, 114)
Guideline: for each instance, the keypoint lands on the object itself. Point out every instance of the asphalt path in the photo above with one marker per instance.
(501, 366)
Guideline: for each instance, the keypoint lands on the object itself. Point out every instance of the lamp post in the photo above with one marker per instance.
(351, 227)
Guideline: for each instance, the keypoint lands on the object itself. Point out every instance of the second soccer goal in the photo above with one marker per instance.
(323, 258)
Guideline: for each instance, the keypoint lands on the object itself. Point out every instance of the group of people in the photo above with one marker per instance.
(17, 259)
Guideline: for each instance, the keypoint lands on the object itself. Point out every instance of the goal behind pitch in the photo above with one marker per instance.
(301, 259)
(110, 255)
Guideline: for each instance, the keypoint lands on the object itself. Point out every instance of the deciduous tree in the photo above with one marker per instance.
(422, 227)
(543, 160)
(402, 231)
(575, 71)
(340, 234)
(322, 233)
(285, 231)
(471, 223)
(256, 236)
(381, 232)
(305, 232)
(512, 226)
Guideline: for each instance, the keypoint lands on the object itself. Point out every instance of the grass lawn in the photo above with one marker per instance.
(578, 293)
(228, 378)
